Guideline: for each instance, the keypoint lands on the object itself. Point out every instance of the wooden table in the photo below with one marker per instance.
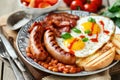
(6, 72)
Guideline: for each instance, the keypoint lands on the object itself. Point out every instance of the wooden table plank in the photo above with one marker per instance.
(8, 73)
(1, 69)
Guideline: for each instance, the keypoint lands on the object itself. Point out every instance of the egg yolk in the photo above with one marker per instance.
(74, 44)
(93, 27)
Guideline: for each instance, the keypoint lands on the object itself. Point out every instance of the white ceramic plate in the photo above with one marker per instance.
(22, 43)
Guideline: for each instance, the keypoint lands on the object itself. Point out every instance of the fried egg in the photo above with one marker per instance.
(89, 35)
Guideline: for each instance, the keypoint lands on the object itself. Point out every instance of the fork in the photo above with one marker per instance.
(4, 54)
(25, 73)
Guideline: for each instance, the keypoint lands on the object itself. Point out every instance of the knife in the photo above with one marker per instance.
(15, 69)
(14, 56)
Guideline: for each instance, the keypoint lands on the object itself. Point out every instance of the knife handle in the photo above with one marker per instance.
(20, 66)
(16, 71)
(27, 76)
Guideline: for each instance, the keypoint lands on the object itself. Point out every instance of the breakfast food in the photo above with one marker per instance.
(39, 3)
(55, 50)
(99, 59)
(36, 47)
(66, 43)
(93, 33)
(116, 41)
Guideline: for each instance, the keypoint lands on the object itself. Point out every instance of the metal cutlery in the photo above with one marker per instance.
(17, 19)
(4, 54)
(14, 57)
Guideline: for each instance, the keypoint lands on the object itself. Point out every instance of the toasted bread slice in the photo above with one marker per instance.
(102, 60)
(116, 40)
(117, 55)
(117, 51)
(117, 36)
(98, 60)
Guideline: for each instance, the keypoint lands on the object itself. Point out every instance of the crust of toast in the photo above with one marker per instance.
(116, 42)
(117, 51)
(117, 55)
(102, 61)
(98, 60)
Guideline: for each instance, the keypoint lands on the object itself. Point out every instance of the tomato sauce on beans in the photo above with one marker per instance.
(54, 65)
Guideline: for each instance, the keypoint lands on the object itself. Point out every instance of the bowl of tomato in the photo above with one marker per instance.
(38, 7)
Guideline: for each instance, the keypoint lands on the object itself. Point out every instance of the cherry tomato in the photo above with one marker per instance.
(37, 2)
(68, 2)
(76, 4)
(97, 2)
(90, 7)
(52, 2)
(83, 1)
(44, 5)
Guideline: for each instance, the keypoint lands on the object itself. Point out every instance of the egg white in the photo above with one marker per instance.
(91, 47)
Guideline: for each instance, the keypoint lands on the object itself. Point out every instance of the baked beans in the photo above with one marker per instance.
(54, 65)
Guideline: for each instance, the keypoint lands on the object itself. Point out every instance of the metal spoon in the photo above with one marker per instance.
(17, 19)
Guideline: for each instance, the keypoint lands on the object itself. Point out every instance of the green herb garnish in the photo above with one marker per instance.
(91, 20)
(87, 32)
(66, 35)
(76, 30)
(85, 39)
(113, 12)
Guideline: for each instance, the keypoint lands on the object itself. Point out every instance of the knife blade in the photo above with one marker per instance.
(14, 56)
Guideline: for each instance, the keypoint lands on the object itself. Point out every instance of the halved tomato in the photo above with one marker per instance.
(37, 2)
(44, 5)
(52, 2)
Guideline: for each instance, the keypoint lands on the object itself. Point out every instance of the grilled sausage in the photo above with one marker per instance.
(55, 50)
(36, 47)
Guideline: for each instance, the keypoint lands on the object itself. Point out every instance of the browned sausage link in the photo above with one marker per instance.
(36, 47)
(55, 50)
